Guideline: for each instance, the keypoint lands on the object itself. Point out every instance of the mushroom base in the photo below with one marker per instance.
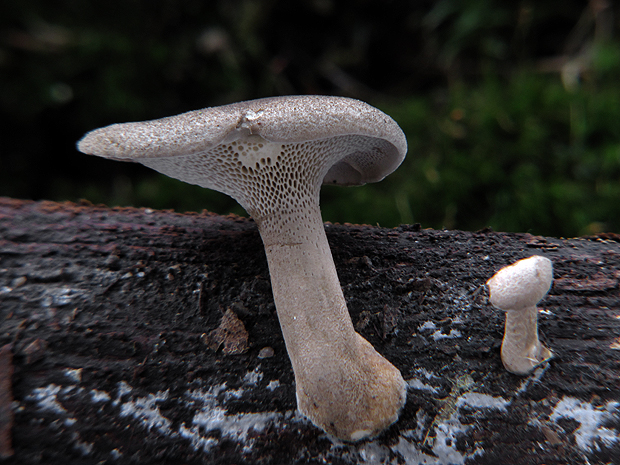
(356, 399)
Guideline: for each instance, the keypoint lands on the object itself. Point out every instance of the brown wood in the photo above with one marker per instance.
(142, 336)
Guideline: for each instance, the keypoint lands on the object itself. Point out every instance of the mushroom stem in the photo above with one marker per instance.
(342, 384)
(521, 348)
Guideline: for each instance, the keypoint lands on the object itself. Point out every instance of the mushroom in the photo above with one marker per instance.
(517, 289)
(272, 155)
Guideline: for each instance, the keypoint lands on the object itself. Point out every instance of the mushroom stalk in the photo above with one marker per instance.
(521, 348)
(342, 384)
(317, 308)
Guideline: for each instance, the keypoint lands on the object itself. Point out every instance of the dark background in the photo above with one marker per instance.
(511, 109)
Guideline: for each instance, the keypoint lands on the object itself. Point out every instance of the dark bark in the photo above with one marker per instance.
(142, 336)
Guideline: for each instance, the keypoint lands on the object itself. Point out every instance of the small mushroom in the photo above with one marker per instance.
(517, 289)
(272, 155)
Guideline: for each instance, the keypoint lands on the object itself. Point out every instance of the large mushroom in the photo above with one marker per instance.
(272, 155)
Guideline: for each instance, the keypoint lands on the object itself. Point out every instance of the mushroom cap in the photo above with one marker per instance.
(522, 284)
(370, 144)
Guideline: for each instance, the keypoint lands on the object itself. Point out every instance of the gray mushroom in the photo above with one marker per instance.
(272, 155)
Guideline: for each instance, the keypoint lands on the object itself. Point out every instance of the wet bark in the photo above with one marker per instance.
(139, 336)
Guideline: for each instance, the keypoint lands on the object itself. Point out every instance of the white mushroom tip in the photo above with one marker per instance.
(105, 142)
(86, 144)
(522, 284)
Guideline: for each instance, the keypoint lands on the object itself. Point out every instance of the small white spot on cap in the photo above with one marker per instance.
(251, 115)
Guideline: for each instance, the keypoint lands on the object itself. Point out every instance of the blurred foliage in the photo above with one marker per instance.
(517, 155)
(510, 109)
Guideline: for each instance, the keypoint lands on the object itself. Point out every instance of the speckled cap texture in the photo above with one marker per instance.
(522, 284)
(289, 119)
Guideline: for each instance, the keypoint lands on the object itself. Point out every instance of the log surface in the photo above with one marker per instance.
(140, 336)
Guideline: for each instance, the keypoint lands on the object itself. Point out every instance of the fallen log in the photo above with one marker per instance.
(139, 336)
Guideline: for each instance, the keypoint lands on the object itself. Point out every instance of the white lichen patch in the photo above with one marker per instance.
(145, 410)
(591, 433)
(235, 427)
(477, 400)
(273, 384)
(444, 430)
(46, 398)
(74, 375)
(444, 433)
(123, 389)
(209, 423)
(197, 440)
(426, 374)
(85, 448)
(417, 384)
(373, 453)
(432, 441)
(427, 326)
(252, 378)
(234, 394)
(438, 335)
(99, 396)
(212, 417)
